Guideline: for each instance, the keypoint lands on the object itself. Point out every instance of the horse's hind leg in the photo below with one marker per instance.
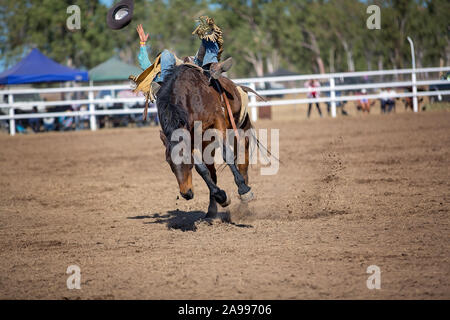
(243, 167)
(244, 190)
(244, 163)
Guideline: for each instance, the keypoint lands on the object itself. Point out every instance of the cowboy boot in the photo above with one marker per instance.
(216, 69)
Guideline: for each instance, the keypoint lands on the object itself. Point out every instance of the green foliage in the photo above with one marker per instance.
(261, 35)
(42, 24)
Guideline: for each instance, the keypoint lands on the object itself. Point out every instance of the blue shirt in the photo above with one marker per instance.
(143, 59)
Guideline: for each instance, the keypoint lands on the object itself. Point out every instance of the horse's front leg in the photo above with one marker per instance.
(212, 207)
(215, 193)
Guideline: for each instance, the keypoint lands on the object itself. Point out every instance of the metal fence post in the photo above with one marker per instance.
(333, 98)
(254, 109)
(415, 101)
(413, 76)
(92, 118)
(12, 121)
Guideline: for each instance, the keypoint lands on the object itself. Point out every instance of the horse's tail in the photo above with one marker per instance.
(259, 145)
(248, 89)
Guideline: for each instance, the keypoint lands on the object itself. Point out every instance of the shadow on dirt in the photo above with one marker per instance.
(187, 221)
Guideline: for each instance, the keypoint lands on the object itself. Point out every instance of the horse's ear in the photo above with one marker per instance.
(163, 138)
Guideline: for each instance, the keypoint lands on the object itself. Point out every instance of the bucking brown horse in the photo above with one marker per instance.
(189, 95)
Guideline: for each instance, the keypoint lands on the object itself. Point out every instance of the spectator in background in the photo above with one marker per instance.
(83, 119)
(388, 100)
(313, 94)
(80, 120)
(49, 123)
(76, 118)
(20, 128)
(4, 124)
(65, 122)
(364, 102)
(391, 101)
(35, 123)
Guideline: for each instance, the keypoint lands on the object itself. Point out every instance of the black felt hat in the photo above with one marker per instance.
(120, 15)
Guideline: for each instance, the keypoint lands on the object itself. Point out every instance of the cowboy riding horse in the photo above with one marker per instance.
(170, 80)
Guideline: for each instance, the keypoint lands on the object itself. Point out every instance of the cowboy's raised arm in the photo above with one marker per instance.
(143, 59)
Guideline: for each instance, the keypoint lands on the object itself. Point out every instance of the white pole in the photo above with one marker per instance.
(92, 118)
(254, 109)
(12, 122)
(415, 102)
(333, 98)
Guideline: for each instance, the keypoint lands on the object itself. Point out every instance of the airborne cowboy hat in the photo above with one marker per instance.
(120, 15)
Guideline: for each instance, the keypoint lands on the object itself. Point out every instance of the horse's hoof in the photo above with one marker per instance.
(212, 216)
(247, 197)
(218, 216)
(226, 203)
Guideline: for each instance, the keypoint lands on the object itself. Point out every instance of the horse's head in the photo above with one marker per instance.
(181, 169)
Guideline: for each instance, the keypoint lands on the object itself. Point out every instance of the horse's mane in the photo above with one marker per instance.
(171, 116)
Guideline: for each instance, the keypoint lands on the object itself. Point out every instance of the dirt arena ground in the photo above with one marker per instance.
(351, 192)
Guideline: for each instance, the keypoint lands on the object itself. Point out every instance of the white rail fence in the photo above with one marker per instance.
(331, 97)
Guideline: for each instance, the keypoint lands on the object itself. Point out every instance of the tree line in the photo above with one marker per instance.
(262, 36)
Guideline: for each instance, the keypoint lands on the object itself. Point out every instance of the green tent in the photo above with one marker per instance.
(113, 70)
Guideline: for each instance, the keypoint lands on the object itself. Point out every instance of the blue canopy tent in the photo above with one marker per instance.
(36, 67)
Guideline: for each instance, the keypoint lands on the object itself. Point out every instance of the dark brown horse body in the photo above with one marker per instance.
(188, 96)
